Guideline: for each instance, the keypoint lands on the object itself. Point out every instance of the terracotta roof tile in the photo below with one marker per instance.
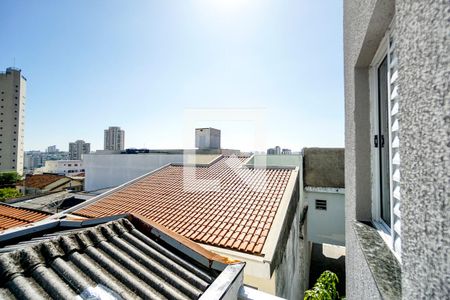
(236, 215)
(40, 181)
(13, 216)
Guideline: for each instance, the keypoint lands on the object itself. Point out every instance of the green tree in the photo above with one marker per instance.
(324, 289)
(8, 178)
(9, 193)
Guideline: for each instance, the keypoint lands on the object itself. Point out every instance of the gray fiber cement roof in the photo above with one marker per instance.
(113, 259)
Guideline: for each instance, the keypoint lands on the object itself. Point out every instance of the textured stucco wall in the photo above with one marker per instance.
(292, 273)
(291, 281)
(423, 42)
(365, 22)
(422, 31)
(361, 285)
(324, 167)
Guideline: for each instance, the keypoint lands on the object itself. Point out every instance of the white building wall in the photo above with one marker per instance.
(62, 167)
(207, 138)
(326, 226)
(110, 170)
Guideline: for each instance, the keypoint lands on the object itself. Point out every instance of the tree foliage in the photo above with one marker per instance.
(325, 288)
(8, 178)
(9, 193)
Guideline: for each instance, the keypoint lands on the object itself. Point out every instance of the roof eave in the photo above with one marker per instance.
(275, 233)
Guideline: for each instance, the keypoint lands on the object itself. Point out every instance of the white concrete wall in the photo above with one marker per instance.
(110, 170)
(62, 167)
(326, 226)
(207, 138)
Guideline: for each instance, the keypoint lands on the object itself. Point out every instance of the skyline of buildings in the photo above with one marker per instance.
(52, 149)
(36, 159)
(278, 151)
(12, 120)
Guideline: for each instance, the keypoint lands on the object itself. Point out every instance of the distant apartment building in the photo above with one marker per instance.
(32, 160)
(286, 151)
(207, 138)
(114, 139)
(12, 117)
(78, 148)
(36, 159)
(52, 149)
(278, 151)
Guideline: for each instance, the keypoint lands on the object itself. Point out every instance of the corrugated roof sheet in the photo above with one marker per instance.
(113, 258)
(238, 215)
(13, 217)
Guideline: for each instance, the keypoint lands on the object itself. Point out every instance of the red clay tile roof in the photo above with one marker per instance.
(236, 216)
(40, 181)
(13, 216)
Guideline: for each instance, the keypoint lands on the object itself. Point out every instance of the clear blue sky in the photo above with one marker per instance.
(141, 64)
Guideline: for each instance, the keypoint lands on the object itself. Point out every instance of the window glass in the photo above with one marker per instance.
(383, 142)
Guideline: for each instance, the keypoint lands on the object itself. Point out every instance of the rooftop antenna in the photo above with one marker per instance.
(14, 63)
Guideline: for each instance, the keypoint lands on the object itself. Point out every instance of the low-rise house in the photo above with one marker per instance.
(229, 207)
(324, 192)
(62, 167)
(46, 183)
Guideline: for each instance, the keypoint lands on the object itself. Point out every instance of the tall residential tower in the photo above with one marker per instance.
(12, 117)
(78, 148)
(114, 139)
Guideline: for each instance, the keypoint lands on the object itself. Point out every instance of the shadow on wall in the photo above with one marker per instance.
(334, 263)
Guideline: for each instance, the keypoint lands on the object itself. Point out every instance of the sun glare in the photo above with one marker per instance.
(226, 6)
